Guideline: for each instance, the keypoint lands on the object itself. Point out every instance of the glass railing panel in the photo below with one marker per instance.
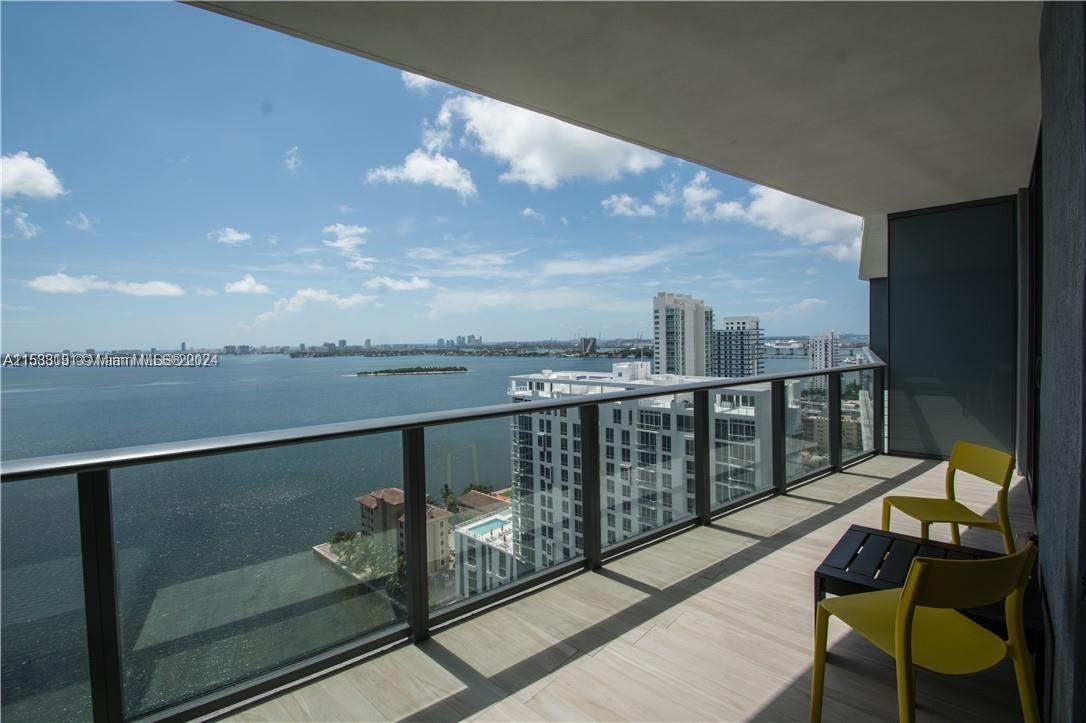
(806, 426)
(43, 634)
(857, 413)
(646, 465)
(740, 442)
(234, 565)
(505, 502)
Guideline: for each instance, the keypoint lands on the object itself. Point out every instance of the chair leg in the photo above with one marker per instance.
(955, 535)
(1008, 538)
(906, 691)
(818, 670)
(1023, 673)
(886, 515)
(925, 527)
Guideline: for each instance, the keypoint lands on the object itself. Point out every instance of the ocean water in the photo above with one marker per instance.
(216, 575)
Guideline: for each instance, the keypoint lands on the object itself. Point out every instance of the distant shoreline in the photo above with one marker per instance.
(412, 371)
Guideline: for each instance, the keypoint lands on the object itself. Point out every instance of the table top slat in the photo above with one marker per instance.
(845, 549)
(896, 566)
(870, 558)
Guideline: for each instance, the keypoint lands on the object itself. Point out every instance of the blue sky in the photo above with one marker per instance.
(170, 174)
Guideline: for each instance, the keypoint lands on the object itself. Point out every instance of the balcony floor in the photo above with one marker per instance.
(711, 624)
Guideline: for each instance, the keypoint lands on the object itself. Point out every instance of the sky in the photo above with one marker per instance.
(173, 175)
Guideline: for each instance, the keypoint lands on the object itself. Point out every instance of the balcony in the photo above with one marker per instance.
(714, 623)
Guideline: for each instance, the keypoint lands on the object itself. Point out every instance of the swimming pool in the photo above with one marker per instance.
(489, 526)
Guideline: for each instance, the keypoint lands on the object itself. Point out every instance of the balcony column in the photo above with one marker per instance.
(702, 491)
(777, 441)
(833, 411)
(414, 480)
(590, 484)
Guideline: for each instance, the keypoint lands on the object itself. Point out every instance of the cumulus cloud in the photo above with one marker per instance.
(21, 220)
(62, 283)
(532, 214)
(347, 239)
(293, 160)
(627, 264)
(830, 231)
(246, 285)
(538, 150)
(428, 167)
(20, 173)
(81, 222)
(229, 235)
(419, 83)
(623, 204)
(384, 282)
(302, 297)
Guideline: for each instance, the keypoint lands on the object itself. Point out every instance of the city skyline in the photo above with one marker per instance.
(308, 194)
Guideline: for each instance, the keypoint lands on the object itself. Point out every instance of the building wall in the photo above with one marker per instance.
(953, 327)
(1061, 512)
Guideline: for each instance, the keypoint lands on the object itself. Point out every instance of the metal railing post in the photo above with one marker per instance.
(702, 492)
(833, 410)
(100, 595)
(878, 411)
(415, 562)
(590, 485)
(777, 408)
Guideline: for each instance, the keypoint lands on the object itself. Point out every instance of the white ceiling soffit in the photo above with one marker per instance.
(868, 107)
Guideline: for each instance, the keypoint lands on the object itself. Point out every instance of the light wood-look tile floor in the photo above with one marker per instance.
(711, 624)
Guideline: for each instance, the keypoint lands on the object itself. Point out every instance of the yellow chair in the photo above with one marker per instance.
(919, 625)
(984, 462)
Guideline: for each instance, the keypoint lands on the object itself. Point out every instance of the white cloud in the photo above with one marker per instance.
(301, 297)
(206, 292)
(532, 214)
(347, 239)
(413, 284)
(229, 235)
(21, 220)
(464, 261)
(456, 302)
(418, 83)
(541, 151)
(564, 220)
(830, 231)
(81, 222)
(11, 307)
(293, 160)
(811, 271)
(30, 176)
(602, 266)
(246, 285)
(428, 167)
(790, 311)
(623, 204)
(344, 208)
(62, 283)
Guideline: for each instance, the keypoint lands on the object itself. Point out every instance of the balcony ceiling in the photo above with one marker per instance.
(870, 108)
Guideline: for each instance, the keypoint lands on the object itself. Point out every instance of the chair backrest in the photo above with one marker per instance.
(960, 584)
(984, 462)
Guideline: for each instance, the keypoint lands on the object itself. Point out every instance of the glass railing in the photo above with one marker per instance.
(185, 577)
(741, 442)
(806, 427)
(647, 470)
(45, 668)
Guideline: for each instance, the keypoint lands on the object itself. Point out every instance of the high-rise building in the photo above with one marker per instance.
(647, 458)
(440, 342)
(301, 347)
(367, 343)
(737, 349)
(471, 340)
(460, 340)
(824, 351)
(589, 345)
(342, 343)
(183, 345)
(682, 330)
(381, 518)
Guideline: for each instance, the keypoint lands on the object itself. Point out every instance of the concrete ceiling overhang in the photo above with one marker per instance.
(871, 108)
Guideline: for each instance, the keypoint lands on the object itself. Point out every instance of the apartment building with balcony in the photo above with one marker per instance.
(738, 349)
(956, 130)
(682, 335)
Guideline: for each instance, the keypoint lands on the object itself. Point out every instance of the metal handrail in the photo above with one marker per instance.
(67, 464)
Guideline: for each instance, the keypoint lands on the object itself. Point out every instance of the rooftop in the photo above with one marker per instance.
(391, 495)
(714, 623)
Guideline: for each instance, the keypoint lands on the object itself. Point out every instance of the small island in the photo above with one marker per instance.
(412, 370)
